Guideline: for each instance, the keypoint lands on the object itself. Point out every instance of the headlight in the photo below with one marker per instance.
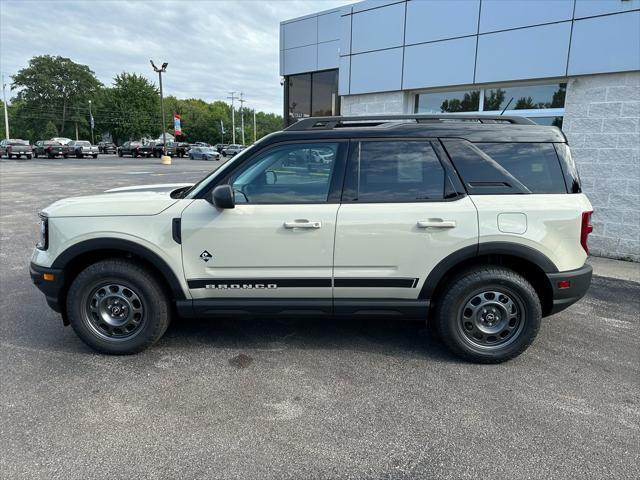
(43, 242)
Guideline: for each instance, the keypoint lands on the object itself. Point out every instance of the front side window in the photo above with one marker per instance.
(295, 173)
(394, 171)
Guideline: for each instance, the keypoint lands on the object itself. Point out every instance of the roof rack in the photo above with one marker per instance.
(329, 123)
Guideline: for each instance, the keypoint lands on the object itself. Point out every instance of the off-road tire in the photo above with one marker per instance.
(452, 325)
(155, 306)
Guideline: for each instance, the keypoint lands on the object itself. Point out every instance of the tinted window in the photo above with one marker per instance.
(536, 165)
(403, 171)
(324, 93)
(298, 173)
(299, 96)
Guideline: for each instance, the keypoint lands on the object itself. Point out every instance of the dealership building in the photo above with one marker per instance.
(574, 64)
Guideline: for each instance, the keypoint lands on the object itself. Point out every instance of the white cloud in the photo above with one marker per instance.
(212, 47)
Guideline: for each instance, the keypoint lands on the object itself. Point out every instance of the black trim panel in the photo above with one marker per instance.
(264, 283)
(485, 248)
(375, 282)
(52, 290)
(126, 246)
(176, 230)
(580, 279)
(272, 283)
(310, 308)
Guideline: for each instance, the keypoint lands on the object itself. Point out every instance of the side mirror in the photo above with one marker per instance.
(223, 197)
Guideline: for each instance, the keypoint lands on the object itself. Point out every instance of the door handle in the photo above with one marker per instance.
(302, 224)
(437, 223)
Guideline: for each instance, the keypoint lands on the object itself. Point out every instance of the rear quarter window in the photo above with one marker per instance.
(507, 167)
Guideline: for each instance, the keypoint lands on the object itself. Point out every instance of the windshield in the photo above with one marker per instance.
(83, 144)
(18, 142)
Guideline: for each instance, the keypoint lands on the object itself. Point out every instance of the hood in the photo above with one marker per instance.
(143, 200)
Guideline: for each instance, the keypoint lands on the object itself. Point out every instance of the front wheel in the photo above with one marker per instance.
(95, 155)
(488, 314)
(29, 157)
(117, 307)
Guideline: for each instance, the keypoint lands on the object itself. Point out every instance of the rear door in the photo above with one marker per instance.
(402, 213)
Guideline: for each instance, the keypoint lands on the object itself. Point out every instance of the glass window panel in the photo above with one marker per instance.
(536, 165)
(441, 102)
(299, 96)
(299, 173)
(525, 97)
(396, 172)
(549, 121)
(324, 93)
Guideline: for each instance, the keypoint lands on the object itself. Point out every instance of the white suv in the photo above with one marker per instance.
(476, 224)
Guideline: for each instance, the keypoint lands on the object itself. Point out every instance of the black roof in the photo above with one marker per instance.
(474, 128)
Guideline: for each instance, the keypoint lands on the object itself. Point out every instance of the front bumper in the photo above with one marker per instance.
(579, 281)
(52, 289)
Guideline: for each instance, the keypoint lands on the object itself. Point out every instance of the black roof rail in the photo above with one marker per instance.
(329, 123)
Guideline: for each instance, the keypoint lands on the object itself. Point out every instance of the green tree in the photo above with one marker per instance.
(54, 87)
(470, 103)
(494, 100)
(130, 109)
(50, 130)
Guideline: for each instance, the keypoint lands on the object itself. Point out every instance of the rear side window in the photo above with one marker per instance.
(507, 168)
(394, 171)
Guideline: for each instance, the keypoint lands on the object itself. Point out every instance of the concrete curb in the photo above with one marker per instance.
(618, 269)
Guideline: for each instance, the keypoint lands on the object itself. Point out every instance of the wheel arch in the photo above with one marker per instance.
(530, 263)
(77, 257)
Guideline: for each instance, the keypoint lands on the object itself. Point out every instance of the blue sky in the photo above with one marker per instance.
(212, 46)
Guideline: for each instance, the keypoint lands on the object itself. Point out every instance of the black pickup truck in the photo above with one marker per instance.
(130, 148)
(47, 148)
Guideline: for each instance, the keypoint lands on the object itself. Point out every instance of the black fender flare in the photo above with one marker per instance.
(487, 248)
(127, 246)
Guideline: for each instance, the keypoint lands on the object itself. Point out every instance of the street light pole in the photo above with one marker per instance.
(6, 114)
(160, 70)
(254, 125)
(91, 120)
(242, 100)
(232, 96)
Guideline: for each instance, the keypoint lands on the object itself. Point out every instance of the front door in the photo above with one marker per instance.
(397, 221)
(277, 243)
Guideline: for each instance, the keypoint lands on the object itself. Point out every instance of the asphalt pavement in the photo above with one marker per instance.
(299, 399)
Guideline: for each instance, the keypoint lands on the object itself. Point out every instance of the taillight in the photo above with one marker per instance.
(585, 230)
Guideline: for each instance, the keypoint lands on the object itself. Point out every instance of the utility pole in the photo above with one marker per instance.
(91, 122)
(6, 114)
(233, 118)
(254, 125)
(162, 120)
(242, 100)
(222, 132)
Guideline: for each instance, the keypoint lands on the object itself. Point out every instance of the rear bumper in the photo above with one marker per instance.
(579, 282)
(52, 289)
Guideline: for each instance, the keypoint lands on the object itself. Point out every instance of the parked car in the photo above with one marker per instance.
(220, 146)
(14, 147)
(232, 150)
(79, 149)
(62, 140)
(107, 147)
(475, 224)
(47, 148)
(182, 149)
(130, 148)
(203, 153)
(147, 149)
(158, 150)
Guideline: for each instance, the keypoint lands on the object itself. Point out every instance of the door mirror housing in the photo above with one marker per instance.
(223, 197)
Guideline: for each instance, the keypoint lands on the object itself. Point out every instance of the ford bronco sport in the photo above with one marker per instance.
(476, 224)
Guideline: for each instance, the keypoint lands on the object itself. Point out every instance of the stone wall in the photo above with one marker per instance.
(602, 123)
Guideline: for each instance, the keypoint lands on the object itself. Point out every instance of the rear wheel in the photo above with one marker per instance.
(119, 153)
(29, 157)
(95, 155)
(117, 307)
(488, 314)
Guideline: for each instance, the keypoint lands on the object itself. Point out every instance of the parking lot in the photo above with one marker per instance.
(298, 398)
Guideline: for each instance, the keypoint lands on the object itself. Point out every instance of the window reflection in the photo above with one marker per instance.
(299, 87)
(312, 94)
(441, 102)
(525, 98)
(549, 121)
